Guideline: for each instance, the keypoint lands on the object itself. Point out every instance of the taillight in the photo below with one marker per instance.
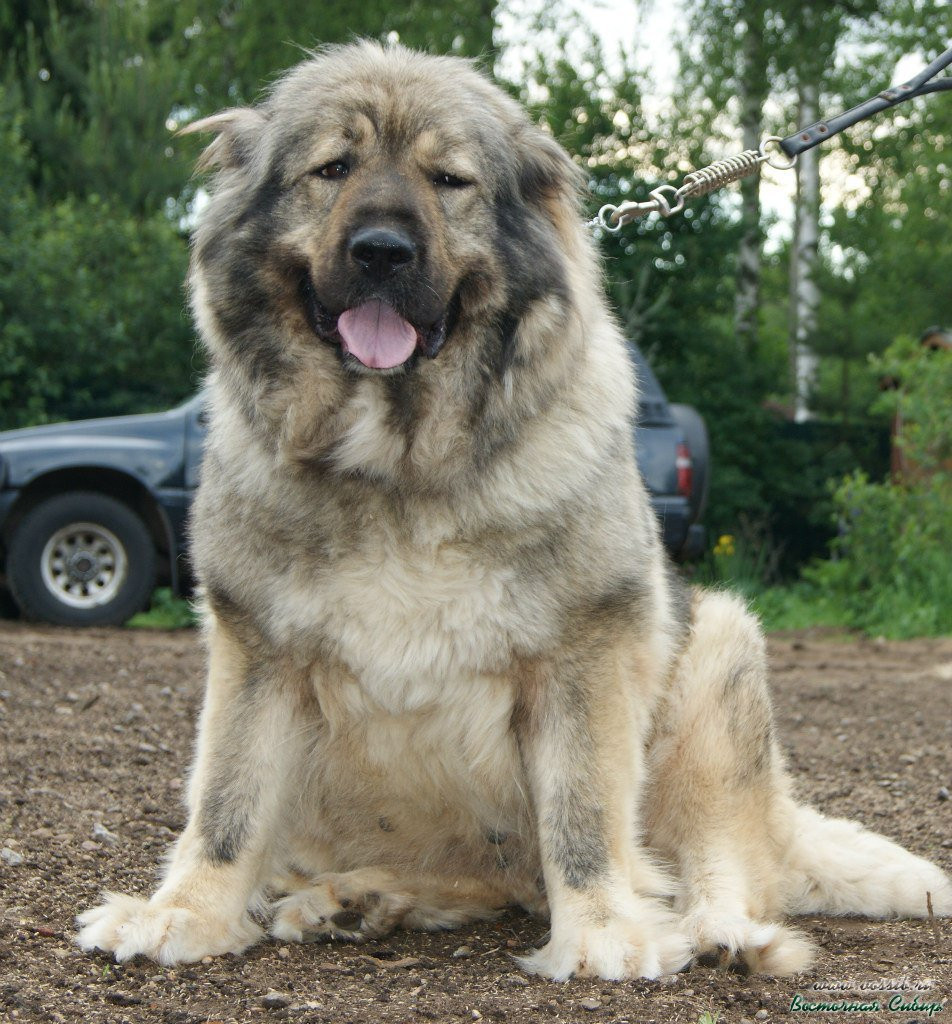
(685, 468)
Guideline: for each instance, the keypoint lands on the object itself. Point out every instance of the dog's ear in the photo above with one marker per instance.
(546, 172)
(238, 131)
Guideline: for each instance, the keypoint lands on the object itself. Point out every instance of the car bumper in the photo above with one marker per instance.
(683, 539)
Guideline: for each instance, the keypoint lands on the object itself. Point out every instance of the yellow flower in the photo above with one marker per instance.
(725, 545)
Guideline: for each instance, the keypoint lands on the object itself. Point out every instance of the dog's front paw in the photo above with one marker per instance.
(743, 945)
(619, 950)
(127, 926)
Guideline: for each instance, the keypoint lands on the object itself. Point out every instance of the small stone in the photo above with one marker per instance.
(122, 999)
(10, 857)
(463, 951)
(88, 844)
(284, 952)
(688, 992)
(590, 1003)
(746, 1020)
(208, 959)
(943, 793)
(761, 1015)
(519, 981)
(103, 835)
(475, 1014)
(273, 1000)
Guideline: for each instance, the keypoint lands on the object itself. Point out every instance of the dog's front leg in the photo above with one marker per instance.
(580, 726)
(248, 735)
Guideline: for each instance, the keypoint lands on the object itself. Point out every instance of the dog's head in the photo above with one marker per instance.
(372, 200)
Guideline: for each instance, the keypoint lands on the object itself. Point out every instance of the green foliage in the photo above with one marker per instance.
(92, 317)
(232, 48)
(165, 612)
(890, 571)
(920, 399)
(742, 562)
(96, 86)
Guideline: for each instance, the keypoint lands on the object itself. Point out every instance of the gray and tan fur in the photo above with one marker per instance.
(449, 669)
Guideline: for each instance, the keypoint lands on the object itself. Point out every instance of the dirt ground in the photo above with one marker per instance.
(95, 734)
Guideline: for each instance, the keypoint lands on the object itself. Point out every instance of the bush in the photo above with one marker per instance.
(92, 310)
(890, 571)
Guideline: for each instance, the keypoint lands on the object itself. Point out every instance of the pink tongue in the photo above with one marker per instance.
(377, 335)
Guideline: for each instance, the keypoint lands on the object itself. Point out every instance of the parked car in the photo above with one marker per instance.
(93, 513)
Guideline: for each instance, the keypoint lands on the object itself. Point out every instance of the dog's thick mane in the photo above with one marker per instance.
(532, 332)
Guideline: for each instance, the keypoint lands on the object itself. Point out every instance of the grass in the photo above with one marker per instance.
(165, 612)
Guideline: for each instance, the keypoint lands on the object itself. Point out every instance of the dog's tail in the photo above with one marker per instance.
(839, 867)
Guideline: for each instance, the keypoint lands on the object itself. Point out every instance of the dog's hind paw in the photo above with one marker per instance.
(620, 950)
(334, 907)
(128, 926)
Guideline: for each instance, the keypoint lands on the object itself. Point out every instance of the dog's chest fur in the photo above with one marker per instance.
(414, 626)
(416, 751)
(410, 624)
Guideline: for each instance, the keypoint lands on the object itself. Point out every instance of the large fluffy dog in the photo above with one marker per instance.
(450, 669)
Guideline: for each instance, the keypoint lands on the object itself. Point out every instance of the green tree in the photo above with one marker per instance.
(890, 570)
(96, 86)
(92, 317)
(232, 48)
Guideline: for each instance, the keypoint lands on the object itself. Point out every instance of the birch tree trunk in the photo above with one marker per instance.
(806, 247)
(753, 90)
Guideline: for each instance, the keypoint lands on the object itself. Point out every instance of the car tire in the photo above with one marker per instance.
(81, 559)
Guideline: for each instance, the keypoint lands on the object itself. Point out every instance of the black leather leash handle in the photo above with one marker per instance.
(807, 138)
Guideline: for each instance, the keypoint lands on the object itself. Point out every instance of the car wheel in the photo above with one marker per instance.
(81, 559)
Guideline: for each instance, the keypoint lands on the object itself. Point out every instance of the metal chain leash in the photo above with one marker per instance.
(696, 184)
(612, 218)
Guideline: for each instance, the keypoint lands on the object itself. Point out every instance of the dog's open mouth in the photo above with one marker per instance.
(374, 333)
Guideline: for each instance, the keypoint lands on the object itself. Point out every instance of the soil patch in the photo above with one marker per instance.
(96, 730)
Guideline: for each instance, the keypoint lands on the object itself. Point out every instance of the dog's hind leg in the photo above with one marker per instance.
(372, 902)
(248, 742)
(718, 795)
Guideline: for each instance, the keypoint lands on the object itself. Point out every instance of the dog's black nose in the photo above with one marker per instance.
(381, 251)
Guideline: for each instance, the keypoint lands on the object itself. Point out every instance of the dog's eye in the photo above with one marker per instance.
(447, 180)
(333, 171)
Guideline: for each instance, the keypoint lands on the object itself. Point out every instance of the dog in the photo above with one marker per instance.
(450, 669)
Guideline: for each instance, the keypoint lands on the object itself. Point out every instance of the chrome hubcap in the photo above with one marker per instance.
(84, 565)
